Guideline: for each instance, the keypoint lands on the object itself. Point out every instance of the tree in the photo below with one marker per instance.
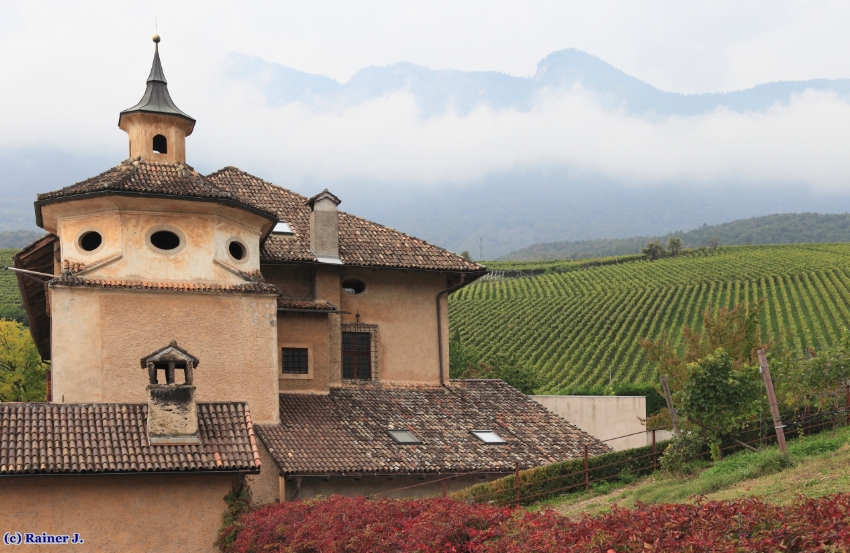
(653, 250)
(22, 372)
(735, 330)
(719, 399)
(674, 244)
(466, 255)
(713, 242)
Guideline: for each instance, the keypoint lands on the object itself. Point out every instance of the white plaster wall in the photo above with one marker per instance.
(605, 417)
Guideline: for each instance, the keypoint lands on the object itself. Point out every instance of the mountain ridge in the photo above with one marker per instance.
(438, 90)
(777, 228)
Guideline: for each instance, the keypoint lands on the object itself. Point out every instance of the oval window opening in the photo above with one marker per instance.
(353, 286)
(237, 250)
(91, 241)
(165, 240)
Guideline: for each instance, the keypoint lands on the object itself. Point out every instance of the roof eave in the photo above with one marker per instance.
(86, 195)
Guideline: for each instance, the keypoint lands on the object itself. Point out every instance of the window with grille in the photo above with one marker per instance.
(357, 355)
(295, 361)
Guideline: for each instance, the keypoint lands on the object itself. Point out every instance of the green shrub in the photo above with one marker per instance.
(549, 480)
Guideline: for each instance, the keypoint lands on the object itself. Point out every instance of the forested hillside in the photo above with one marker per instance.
(574, 327)
(783, 228)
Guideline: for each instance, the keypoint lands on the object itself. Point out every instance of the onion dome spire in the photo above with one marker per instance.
(156, 98)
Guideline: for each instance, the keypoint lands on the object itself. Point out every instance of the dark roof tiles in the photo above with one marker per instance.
(293, 304)
(68, 279)
(140, 176)
(345, 431)
(361, 242)
(40, 438)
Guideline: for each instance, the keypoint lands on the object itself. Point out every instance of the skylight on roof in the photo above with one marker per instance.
(488, 437)
(282, 228)
(405, 437)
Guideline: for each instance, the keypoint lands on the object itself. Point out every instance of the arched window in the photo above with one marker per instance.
(160, 144)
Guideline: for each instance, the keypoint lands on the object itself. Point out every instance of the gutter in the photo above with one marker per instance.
(130, 473)
(447, 291)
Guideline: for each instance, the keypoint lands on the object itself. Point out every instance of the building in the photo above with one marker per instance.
(218, 331)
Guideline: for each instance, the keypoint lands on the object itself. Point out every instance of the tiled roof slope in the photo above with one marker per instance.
(361, 242)
(148, 177)
(44, 438)
(295, 304)
(345, 431)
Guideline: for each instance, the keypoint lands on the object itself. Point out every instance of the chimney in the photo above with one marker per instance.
(324, 227)
(172, 412)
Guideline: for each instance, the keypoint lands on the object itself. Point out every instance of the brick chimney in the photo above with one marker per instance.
(324, 227)
(172, 412)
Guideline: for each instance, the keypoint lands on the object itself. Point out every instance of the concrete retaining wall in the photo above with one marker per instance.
(606, 417)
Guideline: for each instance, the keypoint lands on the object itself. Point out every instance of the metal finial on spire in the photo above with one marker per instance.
(156, 38)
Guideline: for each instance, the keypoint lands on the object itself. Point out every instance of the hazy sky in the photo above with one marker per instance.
(70, 66)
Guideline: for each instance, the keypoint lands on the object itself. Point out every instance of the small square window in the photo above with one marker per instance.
(488, 437)
(295, 361)
(405, 437)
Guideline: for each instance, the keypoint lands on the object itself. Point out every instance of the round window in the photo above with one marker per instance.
(237, 250)
(90, 241)
(165, 240)
(353, 286)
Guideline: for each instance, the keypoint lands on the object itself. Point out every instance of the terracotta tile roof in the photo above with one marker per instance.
(304, 305)
(39, 438)
(147, 177)
(68, 279)
(361, 242)
(345, 431)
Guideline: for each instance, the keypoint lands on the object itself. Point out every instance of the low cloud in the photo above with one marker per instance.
(386, 140)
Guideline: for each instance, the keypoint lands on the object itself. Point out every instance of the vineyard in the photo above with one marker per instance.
(582, 327)
(10, 297)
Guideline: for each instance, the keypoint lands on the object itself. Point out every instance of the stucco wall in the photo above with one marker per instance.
(142, 127)
(265, 487)
(156, 513)
(100, 335)
(129, 255)
(304, 330)
(313, 486)
(604, 417)
(403, 305)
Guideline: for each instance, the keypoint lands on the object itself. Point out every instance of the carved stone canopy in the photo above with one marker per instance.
(169, 358)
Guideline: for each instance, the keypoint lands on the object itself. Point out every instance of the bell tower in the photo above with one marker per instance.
(156, 127)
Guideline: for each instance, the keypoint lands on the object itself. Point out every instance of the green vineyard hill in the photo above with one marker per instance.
(582, 327)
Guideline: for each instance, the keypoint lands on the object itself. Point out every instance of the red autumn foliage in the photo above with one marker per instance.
(342, 524)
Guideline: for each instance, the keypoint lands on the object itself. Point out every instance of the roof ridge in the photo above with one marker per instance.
(260, 179)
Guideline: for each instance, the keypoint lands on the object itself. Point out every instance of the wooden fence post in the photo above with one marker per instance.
(674, 416)
(771, 397)
(846, 401)
(586, 471)
(516, 482)
(654, 456)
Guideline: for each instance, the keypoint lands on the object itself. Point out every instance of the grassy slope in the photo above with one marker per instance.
(571, 327)
(819, 468)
